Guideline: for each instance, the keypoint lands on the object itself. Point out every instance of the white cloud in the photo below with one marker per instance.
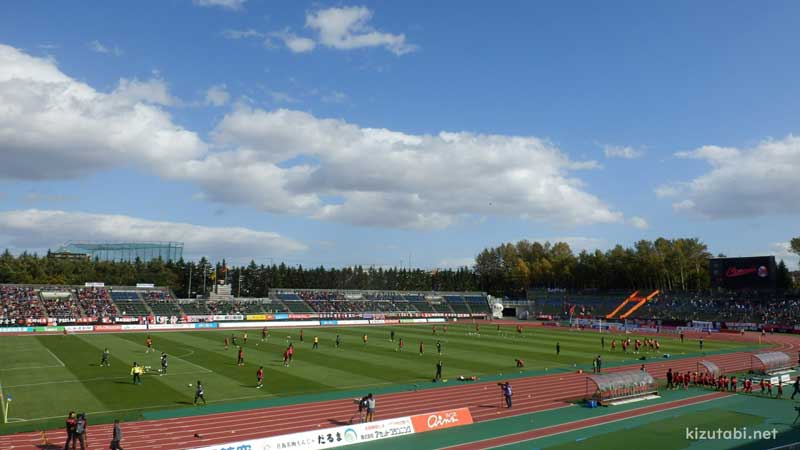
(242, 34)
(638, 222)
(217, 95)
(286, 161)
(667, 190)
(227, 4)
(296, 44)
(281, 97)
(389, 178)
(781, 252)
(577, 243)
(348, 28)
(613, 151)
(153, 91)
(42, 229)
(456, 263)
(52, 126)
(97, 46)
(744, 182)
(335, 97)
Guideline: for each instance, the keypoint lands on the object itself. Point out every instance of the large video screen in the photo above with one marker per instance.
(757, 272)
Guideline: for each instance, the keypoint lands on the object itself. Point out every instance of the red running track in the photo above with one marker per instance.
(483, 398)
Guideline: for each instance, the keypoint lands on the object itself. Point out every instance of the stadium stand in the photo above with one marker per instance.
(457, 304)
(162, 303)
(60, 304)
(96, 302)
(19, 303)
(104, 304)
(130, 303)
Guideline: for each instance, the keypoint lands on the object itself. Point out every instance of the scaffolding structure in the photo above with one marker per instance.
(123, 251)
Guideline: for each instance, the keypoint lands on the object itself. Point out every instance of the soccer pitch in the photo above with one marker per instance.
(49, 375)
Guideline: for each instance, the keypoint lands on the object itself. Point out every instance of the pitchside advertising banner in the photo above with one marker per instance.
(354, 434)
(758, 272)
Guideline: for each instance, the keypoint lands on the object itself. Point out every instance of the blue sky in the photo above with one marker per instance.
(378, 132)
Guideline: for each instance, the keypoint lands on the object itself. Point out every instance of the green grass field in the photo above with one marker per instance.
(48, 375)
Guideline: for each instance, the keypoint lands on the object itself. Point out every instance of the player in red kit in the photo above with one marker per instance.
(240, 358)
(149, 343)
(260, 377)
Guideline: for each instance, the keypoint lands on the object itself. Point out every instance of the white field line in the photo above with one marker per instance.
(29, 368)
(47, 383)
(174, 405)
(205, 370)
(56, 357)
(2, 401)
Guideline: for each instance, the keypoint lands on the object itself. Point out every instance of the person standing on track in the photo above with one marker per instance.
(682, 337)
(370, 408)
(116, 436)
(80, 431)
(701, 344)
(506, 388)
(199, 393)
(71, 423)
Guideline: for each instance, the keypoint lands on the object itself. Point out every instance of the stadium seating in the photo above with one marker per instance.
(18, 304)
(478, 304)
(457, 304)
(130, 303)
(71, 303)
(162, 303)
(60, 304)
(95, 302)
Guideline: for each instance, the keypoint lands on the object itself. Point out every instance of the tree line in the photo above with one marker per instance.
(509, 269)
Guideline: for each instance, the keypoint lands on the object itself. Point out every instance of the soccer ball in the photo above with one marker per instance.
(190, 384)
